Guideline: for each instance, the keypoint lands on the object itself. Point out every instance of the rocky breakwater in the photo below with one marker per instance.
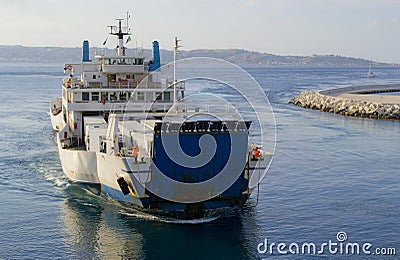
(346, 106)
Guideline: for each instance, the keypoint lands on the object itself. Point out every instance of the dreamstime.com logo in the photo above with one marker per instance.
(340, 246)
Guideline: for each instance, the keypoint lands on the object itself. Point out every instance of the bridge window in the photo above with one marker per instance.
(113, 96)
(140, 96)
(85, 96)
(122, 96)
(167, 96)
(95, 96)
(138, 62)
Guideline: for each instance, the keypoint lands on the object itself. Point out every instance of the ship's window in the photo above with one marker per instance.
(128, 76)
(167, 96)
(64, 114)
(103, 146)
(158, 96)
(138, 62)
(94, 76)
(140, 96)
(85, 96)
(113, 96)
(122, 96)
(95, 96)
(149, 96)
(129, 95)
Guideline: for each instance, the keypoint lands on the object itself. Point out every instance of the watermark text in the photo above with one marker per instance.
(339, 246)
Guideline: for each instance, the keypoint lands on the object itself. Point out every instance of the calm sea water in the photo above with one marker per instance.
(330, 174)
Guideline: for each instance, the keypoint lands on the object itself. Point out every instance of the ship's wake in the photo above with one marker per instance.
(151, 217)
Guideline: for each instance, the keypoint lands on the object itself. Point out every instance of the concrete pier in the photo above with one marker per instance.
(361, 101)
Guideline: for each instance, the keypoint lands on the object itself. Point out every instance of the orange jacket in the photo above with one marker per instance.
(256, 153)
(135, 151)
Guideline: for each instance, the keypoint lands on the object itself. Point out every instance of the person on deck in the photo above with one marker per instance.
(135, 152)
(256, 153)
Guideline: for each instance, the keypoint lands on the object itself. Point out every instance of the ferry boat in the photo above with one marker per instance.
(114, 133)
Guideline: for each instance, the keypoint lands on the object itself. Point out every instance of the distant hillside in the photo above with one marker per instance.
(250, 57)
(67, 55)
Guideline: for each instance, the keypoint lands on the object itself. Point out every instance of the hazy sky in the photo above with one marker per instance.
(358, 28)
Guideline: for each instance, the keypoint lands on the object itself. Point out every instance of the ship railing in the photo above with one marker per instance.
(123, 84)
(76, 83)
(161, 106)
(166, 105)
(119, 101)
(205, 108)
(138, 107)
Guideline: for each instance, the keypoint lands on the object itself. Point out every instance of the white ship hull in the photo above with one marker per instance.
(78, 165)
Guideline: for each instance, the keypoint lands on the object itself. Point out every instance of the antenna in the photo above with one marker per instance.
(142, 36)
(120, 32)
(176, 47)
(127, 19)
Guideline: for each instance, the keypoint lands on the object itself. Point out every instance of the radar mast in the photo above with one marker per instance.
(120, 31)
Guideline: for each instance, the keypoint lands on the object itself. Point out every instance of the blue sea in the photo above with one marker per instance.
(333, 179)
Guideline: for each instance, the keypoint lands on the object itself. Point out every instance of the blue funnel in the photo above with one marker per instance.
(85, 51)
(156, 63)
